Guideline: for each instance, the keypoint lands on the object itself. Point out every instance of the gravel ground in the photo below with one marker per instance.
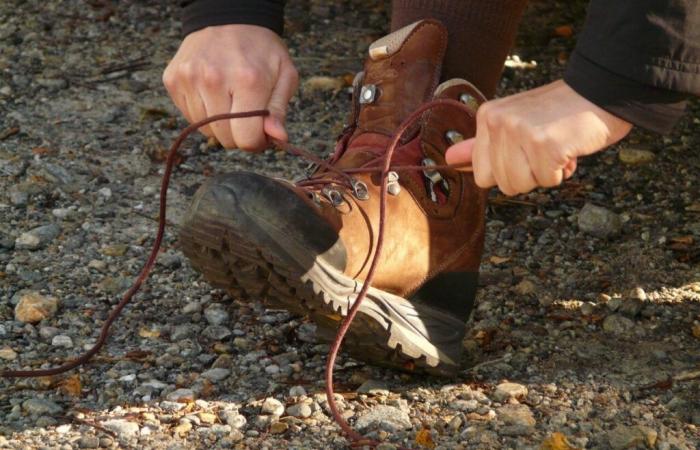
(587, 329)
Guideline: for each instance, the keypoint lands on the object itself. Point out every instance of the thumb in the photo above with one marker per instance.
(460, 153)
(277, 105)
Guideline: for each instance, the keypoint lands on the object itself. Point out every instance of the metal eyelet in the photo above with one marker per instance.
(334, 196)
(368, 94)
(454, 137)
(433, 177)
(470, 101)
(393, 187)
(314, 197)
(360, 190)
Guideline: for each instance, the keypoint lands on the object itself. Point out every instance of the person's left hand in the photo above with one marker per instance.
(532, 139)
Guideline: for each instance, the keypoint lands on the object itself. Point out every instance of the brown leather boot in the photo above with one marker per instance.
(307, 247)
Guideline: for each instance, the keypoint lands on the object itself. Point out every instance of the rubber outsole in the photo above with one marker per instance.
(388, 331)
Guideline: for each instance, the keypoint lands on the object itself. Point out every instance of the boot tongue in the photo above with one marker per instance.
(401, 72)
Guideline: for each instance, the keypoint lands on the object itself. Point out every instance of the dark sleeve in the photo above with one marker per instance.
(639, 59)
(198, 14)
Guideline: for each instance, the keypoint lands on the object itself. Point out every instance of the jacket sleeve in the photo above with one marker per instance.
(639, 59)
(198, 14)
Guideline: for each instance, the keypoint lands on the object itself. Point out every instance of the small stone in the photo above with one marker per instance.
(40, 406)
(464, 405)
(121, 427)
(105, 192)
(183, 428)
(638, 293)
(279, 427)
(272, 406)
(374, 387)
(614, 304)
(216, 332)
(207, 417)
(216, 375)
(272, 369)
(634, 156)
(587, 308)
(631, 307)
(598, 221)
(98, 265)
(192, 307)
(505, 391)
(234, 419)
(617, 324)
(216, 315)
(114, 250)
(38, 237)
(297, 391)
(519, 415)
(89, 442)
(623, 437)
(181, 395)
(525, 287)
(8, 354)
(696, 330)
(62, 340)
(299, 410)
(387, 418)
(34, 307)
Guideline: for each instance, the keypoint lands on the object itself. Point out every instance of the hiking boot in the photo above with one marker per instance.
(306, 247)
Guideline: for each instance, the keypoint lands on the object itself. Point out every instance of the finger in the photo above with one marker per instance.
(461, 153)
(519, 172)
(500, 154)
(481, 162)
(570, 168)
(217, 102)
(277, 105)
(197, 112)
(250, 94)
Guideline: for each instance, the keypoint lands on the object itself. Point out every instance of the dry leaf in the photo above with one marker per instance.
(686, 240)
(497, 260)
(71, 386)
(557, 441)
(565, 31)
(425, 438)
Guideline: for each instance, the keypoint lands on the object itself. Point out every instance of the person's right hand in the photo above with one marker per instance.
(233, 68)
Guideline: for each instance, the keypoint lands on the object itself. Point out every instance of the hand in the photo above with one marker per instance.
(233, 68)
(532, 139)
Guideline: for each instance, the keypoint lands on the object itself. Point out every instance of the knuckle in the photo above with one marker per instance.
(187, 71)
(246, 76)
(169, 79)
(212, 77)
(539, 137)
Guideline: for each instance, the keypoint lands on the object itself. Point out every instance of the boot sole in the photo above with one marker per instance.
(388, 330)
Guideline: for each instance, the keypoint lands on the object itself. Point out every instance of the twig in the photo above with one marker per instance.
(485, 364)
(9, 132)
(95, 425)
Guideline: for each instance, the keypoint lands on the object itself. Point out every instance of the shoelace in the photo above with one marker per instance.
(355, 438)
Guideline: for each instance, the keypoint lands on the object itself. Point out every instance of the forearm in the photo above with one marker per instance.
(639, 60)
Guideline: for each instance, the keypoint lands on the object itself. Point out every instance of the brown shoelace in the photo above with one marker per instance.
(345, 175)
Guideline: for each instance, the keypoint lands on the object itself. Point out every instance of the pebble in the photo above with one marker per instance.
(387, 418)
(598, 221)
(299, 410)
(181, 395)
(89, 442)
(279, 427)
(8, 354)
(47, 333)
(519, 415)
(627, 437)
(62, 340)
(216, 315)
(506, 391)
(216, 332)
(297, 391)
(38, 237)
(272, 406)
(34, 307)
(121, 427)
(272, 369)
(634, 156)
(374, 387)
(40, 406)
(216, 375)
(617, 324)
(234, 419)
